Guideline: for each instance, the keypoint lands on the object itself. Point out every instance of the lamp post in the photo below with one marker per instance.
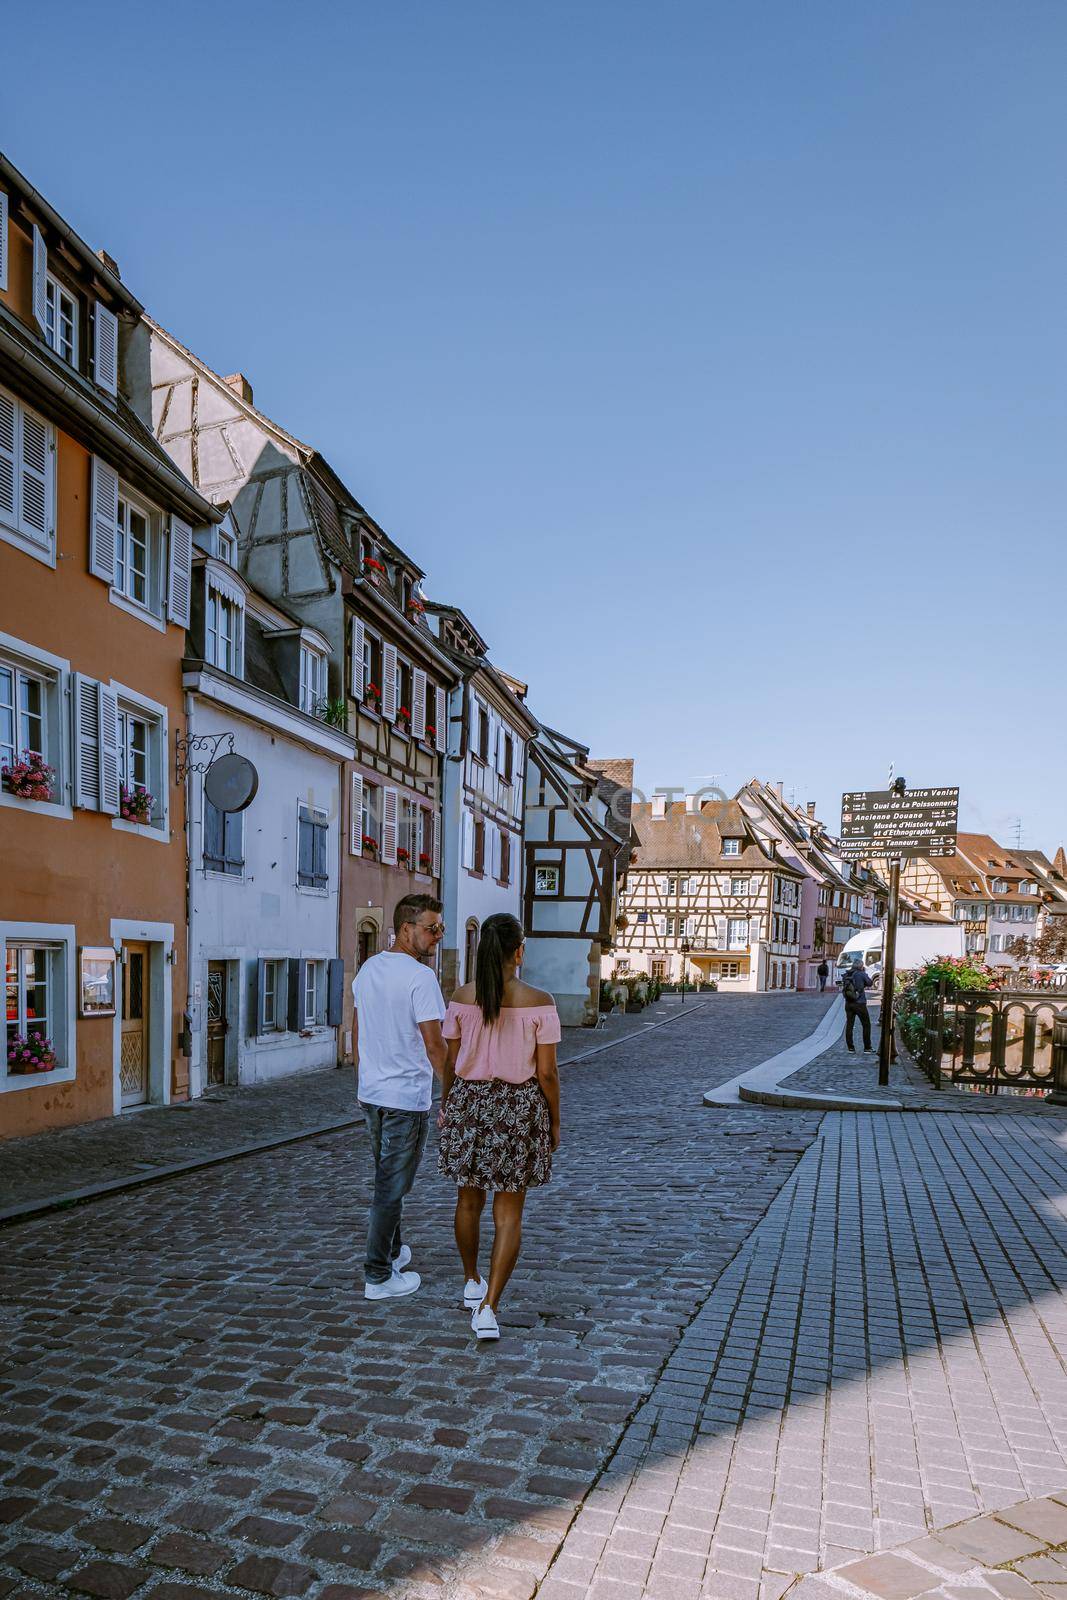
(685, 948)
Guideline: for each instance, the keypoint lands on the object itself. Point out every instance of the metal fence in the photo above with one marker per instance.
(996, 1039)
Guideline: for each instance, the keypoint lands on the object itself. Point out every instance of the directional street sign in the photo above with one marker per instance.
(894, 827)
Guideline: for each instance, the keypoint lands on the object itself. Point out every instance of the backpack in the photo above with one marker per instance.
(853, 988)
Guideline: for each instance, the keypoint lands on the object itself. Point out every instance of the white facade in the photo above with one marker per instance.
(262, 943)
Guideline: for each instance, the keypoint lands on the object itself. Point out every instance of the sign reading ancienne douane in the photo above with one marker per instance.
(892, 826)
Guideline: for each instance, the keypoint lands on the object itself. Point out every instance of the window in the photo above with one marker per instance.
(372, 813)
(273, 1009)
(133, 751)
(505, 856)
(481, 748)
(30, 988)
(227, 547)
(731, 847)
(426, 826)
(546, 880)
(729, 969)
(738, 886)
(27, 478)
(141, 742)
(403, 695)
(509, 758)
(225, 616)
(22, 714)
(470, 951)
(479, 845)
(312, 829)
(372, 672)
(996, 941)
(1026, 887)
(677, 885)
(134, 557)
(408, 835)
(737, 933)
(61, 322)
(223, 840)
(314, 1010)
(312, 680)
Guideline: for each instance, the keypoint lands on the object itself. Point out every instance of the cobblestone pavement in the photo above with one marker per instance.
(151, 1141)
(837, 1071)
(886, 1356)
(197, 1400)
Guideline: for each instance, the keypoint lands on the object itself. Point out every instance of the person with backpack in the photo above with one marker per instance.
(823, 971)
(854, 986)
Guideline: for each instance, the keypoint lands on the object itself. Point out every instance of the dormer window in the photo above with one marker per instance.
(731, 847)
(227, 548)
(225, 631)
(61, 321)
(312, 680)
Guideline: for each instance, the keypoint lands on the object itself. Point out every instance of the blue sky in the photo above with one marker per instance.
(710, 355)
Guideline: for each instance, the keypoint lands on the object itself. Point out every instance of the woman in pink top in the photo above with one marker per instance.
(500, 1108)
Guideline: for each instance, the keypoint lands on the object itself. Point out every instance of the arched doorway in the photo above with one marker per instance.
(470, 951)
(366, 941)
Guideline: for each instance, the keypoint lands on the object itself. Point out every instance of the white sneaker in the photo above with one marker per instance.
(401, 1283)
(403, 1258)
(474, 1292)
(484, 1324)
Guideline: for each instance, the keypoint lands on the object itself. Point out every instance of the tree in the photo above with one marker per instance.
(1050, 946)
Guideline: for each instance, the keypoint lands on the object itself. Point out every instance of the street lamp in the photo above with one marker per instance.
(685, 948)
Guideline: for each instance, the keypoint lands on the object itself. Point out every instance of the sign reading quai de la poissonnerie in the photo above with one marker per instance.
(886, 824)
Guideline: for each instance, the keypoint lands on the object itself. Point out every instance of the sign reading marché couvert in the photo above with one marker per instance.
(883, 823)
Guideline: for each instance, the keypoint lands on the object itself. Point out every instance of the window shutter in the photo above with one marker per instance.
(109, 752)
(335, 992)
(435, 848)
(320, 836)
(214, 835)
(689, 928)
(8, 415)
(257, 1020)
(35, 516)
(355, 830)
(294, 998)
(3, 240)
(389, 682)
(303, 848)
(721, 933)
(86, 742)
(418, 704)
(468, 839)
(661, 927)
(103, 520)
(181, 562)
(106, 349)
(359, 639)
(441, 721)
(40, 279)
(390, 808)
(753, 930)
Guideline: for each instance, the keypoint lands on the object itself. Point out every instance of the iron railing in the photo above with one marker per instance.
(996, 1039)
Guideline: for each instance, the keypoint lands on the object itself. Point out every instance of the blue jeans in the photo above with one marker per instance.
(397, 1139)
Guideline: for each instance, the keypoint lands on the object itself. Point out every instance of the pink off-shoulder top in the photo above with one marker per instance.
(506, 1050)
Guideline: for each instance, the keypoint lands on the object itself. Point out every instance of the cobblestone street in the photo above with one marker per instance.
(742, 1346)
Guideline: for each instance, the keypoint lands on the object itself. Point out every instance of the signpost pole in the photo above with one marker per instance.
(889, 974)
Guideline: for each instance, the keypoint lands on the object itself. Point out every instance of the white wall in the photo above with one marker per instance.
(562, 967)
(264, 912)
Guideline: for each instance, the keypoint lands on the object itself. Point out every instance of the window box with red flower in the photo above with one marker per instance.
(403, 719)
(372, 697)
(29, 778)
(30, 1053)
(136, 805)
(403, 856)
(370, 845)
(374, 569)
(424, 861)
(416, 608)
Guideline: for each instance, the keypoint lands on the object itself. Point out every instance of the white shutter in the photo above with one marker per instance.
(418, 704)
(86, 718)
(753, 930)
(689, 923)
(435, 848)
(359, 640)
(40, 279)
(109, 751)
(661, 927)
(106, 348)
(721, 933)
(474, 723)
(103, 520)
(441, 720)
(390, 808)
(389, 682)
(8, 475)
(35, 516)
(3, 240)
(468, 839)
(181, 571)
(355, 826)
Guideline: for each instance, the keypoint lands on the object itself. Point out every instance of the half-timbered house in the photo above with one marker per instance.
(703, 878)
(308, 544)
(484, 786)
(577, 850)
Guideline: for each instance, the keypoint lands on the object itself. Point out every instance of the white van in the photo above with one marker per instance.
(916, 942)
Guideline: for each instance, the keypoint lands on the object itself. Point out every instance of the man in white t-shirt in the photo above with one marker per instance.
(398, 1045)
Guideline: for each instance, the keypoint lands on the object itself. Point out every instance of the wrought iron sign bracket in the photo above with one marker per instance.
(189, 747)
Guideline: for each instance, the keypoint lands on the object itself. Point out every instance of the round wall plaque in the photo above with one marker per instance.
(230, 783)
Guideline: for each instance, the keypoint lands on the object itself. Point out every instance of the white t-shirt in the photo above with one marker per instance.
(393, 993)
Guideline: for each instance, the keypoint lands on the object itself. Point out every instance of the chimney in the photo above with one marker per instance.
(659, 805)
(240, 385)
(811, 810)
(778, 787)
(109, 262)
(692, 805)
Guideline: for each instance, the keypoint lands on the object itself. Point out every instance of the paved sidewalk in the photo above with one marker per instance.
(886, 1356)
(159, 1141)
(838, 1071)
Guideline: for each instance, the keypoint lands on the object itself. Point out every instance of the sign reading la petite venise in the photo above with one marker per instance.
(883, 823)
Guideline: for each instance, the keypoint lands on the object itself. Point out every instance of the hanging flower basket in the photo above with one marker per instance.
(32, 1054)
(29, 778)
(135, 805)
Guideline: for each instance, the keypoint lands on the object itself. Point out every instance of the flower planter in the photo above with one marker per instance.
(136, 805)
(635, 1005)
(29, 778)
(403, 859)
(30, 1056)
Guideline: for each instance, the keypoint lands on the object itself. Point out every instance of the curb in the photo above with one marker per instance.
(11, 1215)
(768, 1077)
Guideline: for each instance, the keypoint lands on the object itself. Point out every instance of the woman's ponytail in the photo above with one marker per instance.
(500, 938)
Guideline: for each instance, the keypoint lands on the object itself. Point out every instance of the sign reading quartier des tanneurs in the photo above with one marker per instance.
(883, 823)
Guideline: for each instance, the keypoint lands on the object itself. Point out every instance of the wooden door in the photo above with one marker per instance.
(217, 1026)
(134, 1048)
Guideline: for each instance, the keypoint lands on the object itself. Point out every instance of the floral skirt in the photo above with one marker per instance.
(496, 1136)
